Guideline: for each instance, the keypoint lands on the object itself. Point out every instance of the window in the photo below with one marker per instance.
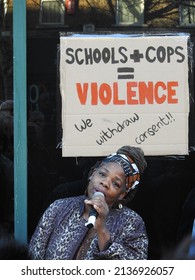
(52, 12)
(187, 13)
(129, 12)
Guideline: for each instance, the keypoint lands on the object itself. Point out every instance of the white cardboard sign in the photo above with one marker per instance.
(124, 90)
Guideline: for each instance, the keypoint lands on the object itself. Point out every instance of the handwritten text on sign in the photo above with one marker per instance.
(121, 90)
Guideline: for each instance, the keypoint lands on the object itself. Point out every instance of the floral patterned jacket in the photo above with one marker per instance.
(61, 231)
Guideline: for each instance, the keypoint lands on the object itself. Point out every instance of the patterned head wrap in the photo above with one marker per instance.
(131, 170)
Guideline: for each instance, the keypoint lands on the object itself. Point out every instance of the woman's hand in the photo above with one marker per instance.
(100, 205)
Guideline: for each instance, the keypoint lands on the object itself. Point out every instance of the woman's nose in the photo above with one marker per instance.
(105, 182)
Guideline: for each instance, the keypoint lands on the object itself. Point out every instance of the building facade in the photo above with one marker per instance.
(47, 19)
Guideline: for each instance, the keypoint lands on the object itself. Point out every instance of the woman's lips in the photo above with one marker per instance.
(98, 190)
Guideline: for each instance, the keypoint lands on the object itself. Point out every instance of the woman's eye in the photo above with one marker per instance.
(101, 173)
(116, 184)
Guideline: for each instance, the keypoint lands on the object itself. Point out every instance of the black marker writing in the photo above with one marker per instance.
(105, 135)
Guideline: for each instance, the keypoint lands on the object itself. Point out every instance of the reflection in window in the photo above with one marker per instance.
(52, 12)
(129, 12)
(187, 13)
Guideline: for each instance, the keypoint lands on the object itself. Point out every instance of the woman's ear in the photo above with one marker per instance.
(91, 175)
(122, 195)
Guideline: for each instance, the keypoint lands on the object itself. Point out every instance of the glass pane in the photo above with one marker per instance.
(188, 13)
(130, 11)
(48, 172)
(51, 12)
(6, 167)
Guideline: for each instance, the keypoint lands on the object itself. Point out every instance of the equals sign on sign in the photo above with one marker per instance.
(125, 73)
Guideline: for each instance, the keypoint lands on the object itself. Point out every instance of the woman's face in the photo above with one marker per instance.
(109, 179)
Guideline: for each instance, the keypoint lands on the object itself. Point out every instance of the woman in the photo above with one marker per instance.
(118, 232)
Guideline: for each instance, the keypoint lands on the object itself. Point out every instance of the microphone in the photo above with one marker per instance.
(93, 213)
